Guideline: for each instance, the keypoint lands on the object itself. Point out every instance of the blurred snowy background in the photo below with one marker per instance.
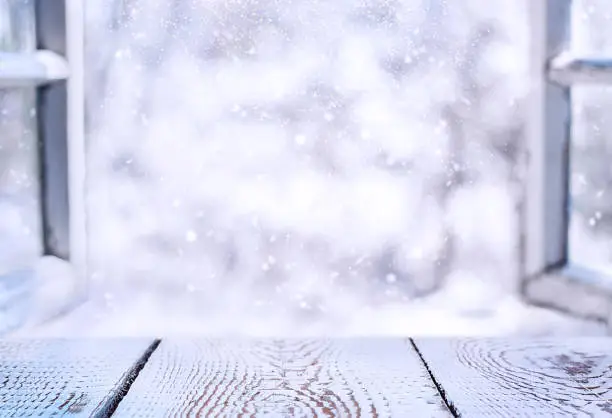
(307, 166)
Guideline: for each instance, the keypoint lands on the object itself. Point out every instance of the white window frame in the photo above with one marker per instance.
(56, 70)
(548, 278)
(61, 107)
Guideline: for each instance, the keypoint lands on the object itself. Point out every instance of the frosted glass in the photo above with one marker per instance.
(20, 241)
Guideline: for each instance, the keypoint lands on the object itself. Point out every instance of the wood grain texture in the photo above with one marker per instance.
(64, 377)
(523, 378)
(346, 378)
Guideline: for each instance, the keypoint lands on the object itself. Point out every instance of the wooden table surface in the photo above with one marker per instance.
(307, 378)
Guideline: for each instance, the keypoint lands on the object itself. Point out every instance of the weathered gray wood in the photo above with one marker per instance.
(357, 377)
(65, 377)
(523, 378)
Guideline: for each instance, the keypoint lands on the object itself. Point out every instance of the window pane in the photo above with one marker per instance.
(591, 31)
(17, 25)
(20, 241)
(590, 242)
(590, 236)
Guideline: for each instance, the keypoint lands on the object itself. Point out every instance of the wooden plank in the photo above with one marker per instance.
(358, 377)
(66, 377)
(522, 378)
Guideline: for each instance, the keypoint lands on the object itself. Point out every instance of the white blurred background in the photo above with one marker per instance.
(308, 167)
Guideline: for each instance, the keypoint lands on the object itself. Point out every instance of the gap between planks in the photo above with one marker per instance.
(449, 404)
(130, 377)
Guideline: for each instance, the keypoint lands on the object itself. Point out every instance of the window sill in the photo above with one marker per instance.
(37, 294)
(574, 290)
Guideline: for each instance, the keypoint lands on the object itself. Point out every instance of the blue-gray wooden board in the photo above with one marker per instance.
(285, 378)
(360, 377)
(66, 377)
(523, 377)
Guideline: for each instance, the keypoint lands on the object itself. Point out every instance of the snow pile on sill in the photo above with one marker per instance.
(468, 307)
